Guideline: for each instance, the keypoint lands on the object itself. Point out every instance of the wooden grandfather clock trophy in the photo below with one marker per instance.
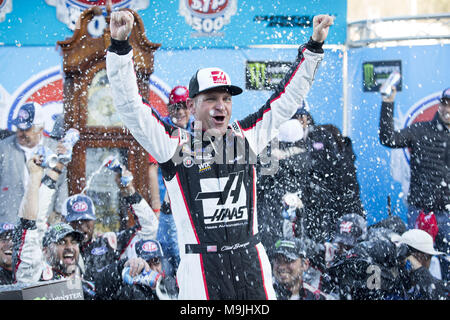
(88, 107)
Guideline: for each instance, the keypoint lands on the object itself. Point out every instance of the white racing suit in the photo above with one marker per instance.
(213, 202)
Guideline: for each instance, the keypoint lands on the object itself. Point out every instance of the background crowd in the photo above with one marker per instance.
(311, 219)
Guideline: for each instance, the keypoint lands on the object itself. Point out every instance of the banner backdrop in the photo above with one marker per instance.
(384, 172)
(34, 74)
(179, 23)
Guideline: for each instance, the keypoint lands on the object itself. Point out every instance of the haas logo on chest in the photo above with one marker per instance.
(227, 204)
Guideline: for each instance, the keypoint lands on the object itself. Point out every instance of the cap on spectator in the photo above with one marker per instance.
(178, 94)
(58, 232)
(210, 78)
(5, 229)
(29, 114)
(419, 240)
(148, 249)
(351, 229)
(78, 207)
(445, 94)
(291, 248)
(428, 223)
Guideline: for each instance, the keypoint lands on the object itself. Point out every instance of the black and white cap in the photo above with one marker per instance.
(210, 78)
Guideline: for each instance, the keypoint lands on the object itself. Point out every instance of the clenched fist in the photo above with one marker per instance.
(121, 24)
(321, 26)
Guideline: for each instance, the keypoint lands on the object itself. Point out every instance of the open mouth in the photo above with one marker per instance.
(219, 119)
(8, 252)
(68, 258)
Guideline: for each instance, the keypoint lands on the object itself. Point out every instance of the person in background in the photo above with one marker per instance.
(347, 186)
(429, 146)
(321, 200)
(289, 264)
(42, 253)
(419, 282)
(179, 116)
(100, 251)
(140, 277)
(6, 245)
(15, 151)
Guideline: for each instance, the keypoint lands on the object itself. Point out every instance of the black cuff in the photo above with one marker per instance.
(314, 46)
(133, 199)
(121, 47)
(49, 182)
(27, 224)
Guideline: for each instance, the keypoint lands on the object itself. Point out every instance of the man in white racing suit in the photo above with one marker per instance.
(210, 173)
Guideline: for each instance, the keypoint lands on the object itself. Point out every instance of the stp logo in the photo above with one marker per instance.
(219, 77)
(208, 16)
(149, 247)
(80, 206)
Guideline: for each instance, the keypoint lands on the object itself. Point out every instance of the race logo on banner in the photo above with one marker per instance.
(208, 17)
(68, 11)
(5, 7)
(423, 110)
(46, 88)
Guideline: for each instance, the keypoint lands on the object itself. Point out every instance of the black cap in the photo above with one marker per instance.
(210, 78)
(291, 248)
(59, 231)
(351, 229)
(148, 249)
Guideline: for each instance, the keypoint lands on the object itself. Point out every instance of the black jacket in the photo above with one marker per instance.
(429, 145)
(6, 276)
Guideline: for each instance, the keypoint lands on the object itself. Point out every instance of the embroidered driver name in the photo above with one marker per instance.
(224, 200)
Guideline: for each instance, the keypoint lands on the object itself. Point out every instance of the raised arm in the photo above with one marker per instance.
(158, 138)
(390, 137)
(261, 127)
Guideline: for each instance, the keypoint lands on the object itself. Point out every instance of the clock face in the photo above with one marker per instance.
(101, 110)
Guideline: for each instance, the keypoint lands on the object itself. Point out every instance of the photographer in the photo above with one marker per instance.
(417, 279)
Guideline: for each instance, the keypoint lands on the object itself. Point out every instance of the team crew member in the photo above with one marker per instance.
(211, 186)
(41, 253)
(100, 251)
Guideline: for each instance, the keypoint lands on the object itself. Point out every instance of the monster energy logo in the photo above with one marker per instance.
(262, 75)
(376, 72)
(369, 79)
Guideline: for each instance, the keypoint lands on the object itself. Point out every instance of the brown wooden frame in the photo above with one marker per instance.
(83, 57)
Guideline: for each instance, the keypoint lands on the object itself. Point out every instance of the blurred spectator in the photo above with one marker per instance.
(6, 244)
(419, 282)
(139, 278)
(428, 223)
(350, 230)
(100, 251)
(368, 271)
(289, 264)
(15, 151)
(429, 146)
(320, 198)
(41, 253)
(179, 116)
(347, 190)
